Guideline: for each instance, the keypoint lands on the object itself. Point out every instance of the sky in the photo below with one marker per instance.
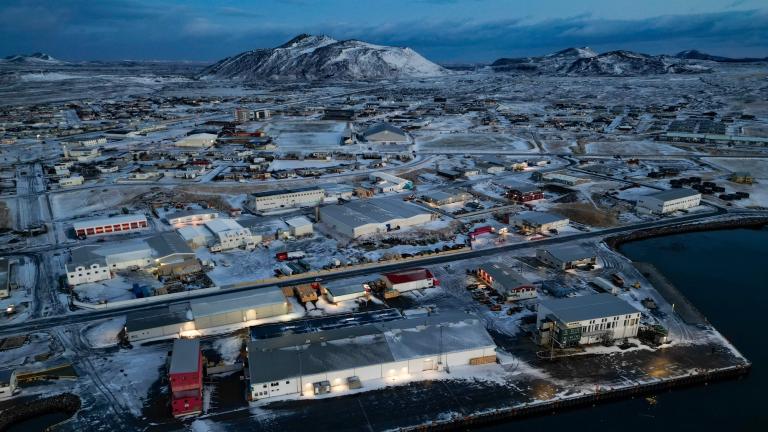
(446, 31)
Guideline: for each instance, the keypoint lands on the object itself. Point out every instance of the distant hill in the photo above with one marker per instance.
(37, 57)
(308, 57)
(698, 55)
(586, 62)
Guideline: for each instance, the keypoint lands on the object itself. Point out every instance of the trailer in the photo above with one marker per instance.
(289, 256)
(604, 285)
(617, 280)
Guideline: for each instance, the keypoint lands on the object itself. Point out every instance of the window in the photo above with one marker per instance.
(287, 382)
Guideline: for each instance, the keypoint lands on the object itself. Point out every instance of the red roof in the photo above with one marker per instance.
(409, 275)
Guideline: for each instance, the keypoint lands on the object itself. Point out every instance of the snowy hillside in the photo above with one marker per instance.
(585, 62)
(37, 57)
(308, 57)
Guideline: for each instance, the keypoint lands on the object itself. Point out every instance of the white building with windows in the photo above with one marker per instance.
(669, 201)
(191, 217)
(586, 320)
(229, 234)
(287, 198)
(331, 361)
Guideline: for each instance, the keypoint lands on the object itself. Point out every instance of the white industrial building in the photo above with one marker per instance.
(70, 181)
(299, 226)
(669, 201)
(223, 310)
(374, 216)
(385, 182)
(385, 133)
(585, 320)
(566, 257)
(407, 280)
(201, 140)
(538, 222)
(335, 360)
(229, 234)
(191, 217)
(345, 292)
(287, 198)
(97, 262)
(112, 225)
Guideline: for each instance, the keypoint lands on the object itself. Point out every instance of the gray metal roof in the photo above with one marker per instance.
(505, 275)
(386, 128)
(85, 256)
(303, 354)
(588, 307)
(186, 356)
(444, 194)
(568, 253)
(149, 319)
(379, 210)
(673, 194)
(168, 243)
(344, 289)
(538, 218)
(237, 301)
(284, 191)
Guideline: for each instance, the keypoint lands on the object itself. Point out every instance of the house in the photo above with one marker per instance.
(566, 257)
(385, 133)
(507, 281)
(588, 319)
(8, 383)
(538, 222)
(669, 201)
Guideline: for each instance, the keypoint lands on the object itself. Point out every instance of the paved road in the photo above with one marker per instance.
(86, 316)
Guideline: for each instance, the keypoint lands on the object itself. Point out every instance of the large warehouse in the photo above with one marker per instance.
(585, 320)
(374, 216)
(669, 201)
(188, 318)
(385, 133)
(112, 225)
(566, 257)
(334, 360)
(408, 280)
(93, 263)
(287, 198)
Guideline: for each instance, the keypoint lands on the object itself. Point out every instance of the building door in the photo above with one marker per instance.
(429, 364)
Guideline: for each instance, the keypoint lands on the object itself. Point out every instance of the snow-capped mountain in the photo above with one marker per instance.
(557, 62)
(625, 63)
(698, 55)
(585, 62)
(308, 57)
(37, 57)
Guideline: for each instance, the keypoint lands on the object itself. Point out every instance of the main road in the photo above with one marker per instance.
(86, 316)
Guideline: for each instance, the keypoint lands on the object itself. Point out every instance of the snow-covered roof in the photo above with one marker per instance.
(223, 224)
(674, 194)
(237, 301)
(588, 307)
(505, 275)
(346, 348)
(114, 220)
(380, 210)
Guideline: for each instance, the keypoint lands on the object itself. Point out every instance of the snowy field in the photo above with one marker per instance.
(633, 148)
(474, 143)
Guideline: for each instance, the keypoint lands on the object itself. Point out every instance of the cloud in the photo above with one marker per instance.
(185, 30)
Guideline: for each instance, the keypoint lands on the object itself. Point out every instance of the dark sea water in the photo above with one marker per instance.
(725, 275)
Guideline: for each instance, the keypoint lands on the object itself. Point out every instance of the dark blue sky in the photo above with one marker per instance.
(442, 30)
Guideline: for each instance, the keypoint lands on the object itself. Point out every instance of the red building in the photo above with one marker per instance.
(186, 377)
(525, 195)
(407, 280)
(111, 225)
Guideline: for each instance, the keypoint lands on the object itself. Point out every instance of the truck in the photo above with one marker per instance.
(617, 280)
(290, 256)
